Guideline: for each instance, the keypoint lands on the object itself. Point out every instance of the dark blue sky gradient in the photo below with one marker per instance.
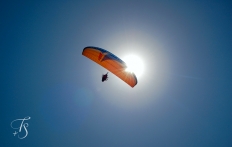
(183, 98)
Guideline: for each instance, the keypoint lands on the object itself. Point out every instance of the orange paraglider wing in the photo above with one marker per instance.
(111, 63)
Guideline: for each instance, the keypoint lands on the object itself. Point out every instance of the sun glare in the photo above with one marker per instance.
(134, 64)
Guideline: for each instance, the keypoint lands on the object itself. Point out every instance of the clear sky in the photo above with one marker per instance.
(183, 98)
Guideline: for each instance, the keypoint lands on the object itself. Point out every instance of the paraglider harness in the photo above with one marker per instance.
(105, 77)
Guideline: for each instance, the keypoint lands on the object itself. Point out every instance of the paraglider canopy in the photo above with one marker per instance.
(111, 62)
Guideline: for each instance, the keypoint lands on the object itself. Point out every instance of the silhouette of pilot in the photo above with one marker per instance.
(105, 77)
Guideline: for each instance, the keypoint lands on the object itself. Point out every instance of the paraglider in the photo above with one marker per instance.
(105, 77)
(110, 62)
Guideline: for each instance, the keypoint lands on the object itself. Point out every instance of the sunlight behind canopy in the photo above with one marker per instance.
(134, 64)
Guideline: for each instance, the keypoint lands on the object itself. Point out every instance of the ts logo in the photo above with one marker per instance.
(20, 126)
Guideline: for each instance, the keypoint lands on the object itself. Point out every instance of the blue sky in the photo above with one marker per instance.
(183, 97)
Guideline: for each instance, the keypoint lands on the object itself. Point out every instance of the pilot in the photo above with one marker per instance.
(105, 77)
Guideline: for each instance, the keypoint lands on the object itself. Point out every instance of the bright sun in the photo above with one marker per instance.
(134, 64)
